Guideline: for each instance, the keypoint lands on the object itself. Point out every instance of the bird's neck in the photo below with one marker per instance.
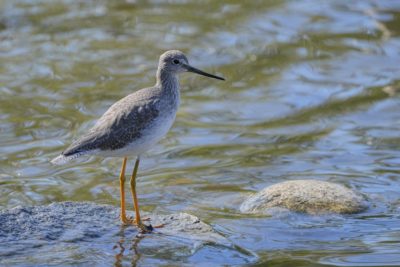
(167, 80)
(169, 84)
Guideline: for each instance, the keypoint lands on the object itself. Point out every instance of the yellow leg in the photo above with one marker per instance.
(124, 219)
(138, 221)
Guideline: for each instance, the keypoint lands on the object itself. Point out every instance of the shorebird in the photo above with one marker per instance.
(134, 124)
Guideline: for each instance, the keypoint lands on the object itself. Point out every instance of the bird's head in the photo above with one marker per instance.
(174, 61)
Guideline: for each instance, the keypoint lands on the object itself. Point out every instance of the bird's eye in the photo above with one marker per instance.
(176, 61)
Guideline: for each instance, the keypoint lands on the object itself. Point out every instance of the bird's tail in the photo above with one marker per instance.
(62, 159)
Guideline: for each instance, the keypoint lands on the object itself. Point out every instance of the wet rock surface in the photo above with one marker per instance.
(53, 233)
(308, 196)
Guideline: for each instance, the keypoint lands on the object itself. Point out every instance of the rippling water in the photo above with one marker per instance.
(312, 91)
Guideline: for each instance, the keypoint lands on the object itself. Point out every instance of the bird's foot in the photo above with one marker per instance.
(126, 221)
(144, 228)
(147, 219)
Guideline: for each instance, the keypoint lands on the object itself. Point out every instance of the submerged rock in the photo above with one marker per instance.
(309, 196)
(73, 233)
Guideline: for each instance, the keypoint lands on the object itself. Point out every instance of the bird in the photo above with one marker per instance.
(134, 124)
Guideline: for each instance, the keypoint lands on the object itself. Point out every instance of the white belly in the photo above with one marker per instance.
(150, 136)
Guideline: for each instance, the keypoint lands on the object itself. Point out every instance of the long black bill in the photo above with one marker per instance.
(194, 70)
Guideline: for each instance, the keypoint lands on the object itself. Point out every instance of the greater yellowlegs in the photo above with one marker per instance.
(134, 124)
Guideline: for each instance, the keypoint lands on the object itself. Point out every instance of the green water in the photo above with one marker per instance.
(312, 91)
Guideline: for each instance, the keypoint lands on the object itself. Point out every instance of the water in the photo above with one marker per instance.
(312, 91)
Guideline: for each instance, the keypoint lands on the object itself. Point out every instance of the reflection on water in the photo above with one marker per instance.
(133, 249)
(306, 96)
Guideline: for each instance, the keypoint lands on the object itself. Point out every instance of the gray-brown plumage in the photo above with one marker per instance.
(115, 129)
(134, 123)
